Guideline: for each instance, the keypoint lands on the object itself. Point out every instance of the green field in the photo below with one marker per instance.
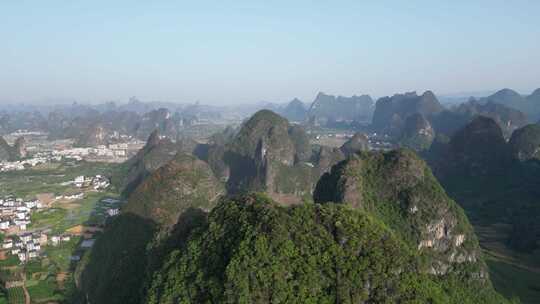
(493, 203)
(48, 179)
(10, 261)
(515, 281)
(44, 291)
(42, 274)
(59, 256)
(15, 295)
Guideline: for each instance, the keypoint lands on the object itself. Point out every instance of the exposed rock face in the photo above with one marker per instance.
(325, 157)
(398, 188)
(525, 143)
(508, 119)
(9, 153)
(295, 111)
(301, 143)
(267, 155)
(20, 148)
(359, 142)
(93, 137)
(417, 133)
(182, 183)
(391, 112)
(328, 107)
(160, 119)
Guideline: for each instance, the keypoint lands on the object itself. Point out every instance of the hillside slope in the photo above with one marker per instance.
(254, 251)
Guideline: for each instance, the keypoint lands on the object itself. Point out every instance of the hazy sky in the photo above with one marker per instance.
(248, 51)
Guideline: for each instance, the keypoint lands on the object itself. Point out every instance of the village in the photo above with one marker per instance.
(50, 216)
(115, 153)
(24, 241)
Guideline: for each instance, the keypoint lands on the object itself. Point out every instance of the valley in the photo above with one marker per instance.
(66, 226)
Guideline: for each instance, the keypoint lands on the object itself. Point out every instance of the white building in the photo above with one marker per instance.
(4, 225)
(7, 244)
(113, 211)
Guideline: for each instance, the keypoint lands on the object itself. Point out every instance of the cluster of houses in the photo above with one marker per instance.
(112, 151)
(40, 158)
(70, 197)
(15, 213)
(26, 246)
(98, 182)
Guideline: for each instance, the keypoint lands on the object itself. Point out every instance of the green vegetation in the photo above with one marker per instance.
(15, 295)
(115, 269)
(48, 179)
(525, 141)
(393, 234)
(417, 133)
(44, 291)
(297, 179)
(67, 215)
(49, 278)
(10, 261)
(59, 256)
(52, 217)
(398, 188)
(515, 281)
(500, 196)
(182, 183)
(505, 201)
(254, 251)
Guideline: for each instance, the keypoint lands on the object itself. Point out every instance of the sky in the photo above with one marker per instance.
(219, 52)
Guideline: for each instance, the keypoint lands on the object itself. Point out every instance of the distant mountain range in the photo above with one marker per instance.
(388, 115)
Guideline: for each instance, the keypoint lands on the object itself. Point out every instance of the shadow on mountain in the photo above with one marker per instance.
(125, 257)
(243, 172)
(113, 270)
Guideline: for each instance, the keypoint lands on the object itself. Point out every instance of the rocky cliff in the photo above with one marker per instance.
(417, 133)
(268, 154)
(12, 153)
(399, 189)
(331, 108)
(391, 112)
(359, 142)
(525, 143)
